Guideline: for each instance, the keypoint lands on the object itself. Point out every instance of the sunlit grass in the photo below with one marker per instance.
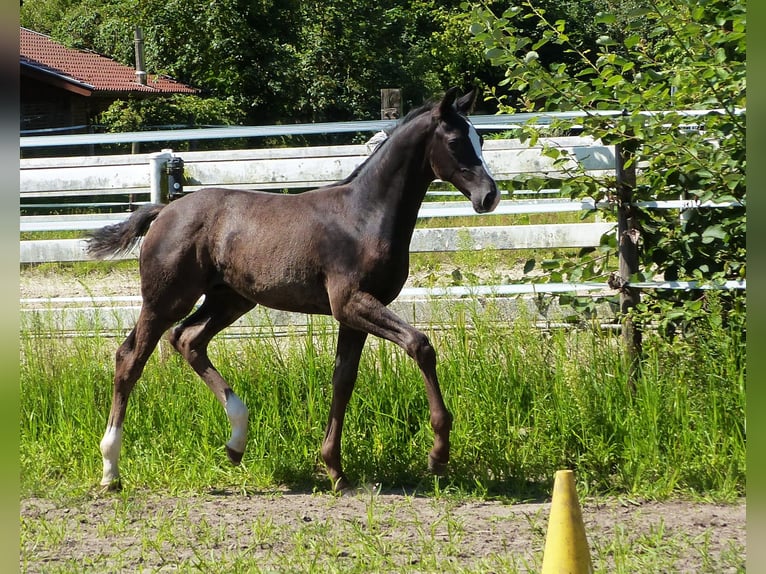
(526, 402)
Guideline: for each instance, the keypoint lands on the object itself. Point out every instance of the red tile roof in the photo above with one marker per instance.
(88, 70)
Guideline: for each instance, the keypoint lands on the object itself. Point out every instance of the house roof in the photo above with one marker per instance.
(86, 72)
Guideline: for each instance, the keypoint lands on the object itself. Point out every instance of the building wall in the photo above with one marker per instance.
(44, 106)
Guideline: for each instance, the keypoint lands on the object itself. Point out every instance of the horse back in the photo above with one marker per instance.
(277, 250)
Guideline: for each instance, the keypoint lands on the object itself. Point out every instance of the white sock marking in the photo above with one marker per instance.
(110, 450)
(237, 413)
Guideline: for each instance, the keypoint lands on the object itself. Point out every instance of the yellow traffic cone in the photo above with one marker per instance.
(566, 547)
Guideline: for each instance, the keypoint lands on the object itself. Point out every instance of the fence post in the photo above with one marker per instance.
(390, 103)
(157, 163)
(627, 236)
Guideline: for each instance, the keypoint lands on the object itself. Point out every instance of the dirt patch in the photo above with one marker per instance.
(46, 283)
(286, 531)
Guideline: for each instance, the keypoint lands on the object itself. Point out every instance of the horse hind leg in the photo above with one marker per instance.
(130, 360)
(220, 309)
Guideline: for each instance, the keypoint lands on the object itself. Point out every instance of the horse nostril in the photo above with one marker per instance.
(489, 199)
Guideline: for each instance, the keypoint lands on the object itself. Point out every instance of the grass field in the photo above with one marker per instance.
(526, 402)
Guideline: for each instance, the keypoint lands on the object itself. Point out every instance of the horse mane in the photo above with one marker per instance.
(415, 112)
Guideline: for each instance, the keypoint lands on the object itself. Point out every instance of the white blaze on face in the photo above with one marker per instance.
(110, 450)
(237, 413)
(473, 135)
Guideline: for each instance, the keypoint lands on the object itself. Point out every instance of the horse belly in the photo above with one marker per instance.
(280, 290)
(295, 300)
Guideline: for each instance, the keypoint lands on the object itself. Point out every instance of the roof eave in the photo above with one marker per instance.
(73, 85)
(56, 79)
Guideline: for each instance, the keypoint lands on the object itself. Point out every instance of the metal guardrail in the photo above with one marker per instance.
(481, 122)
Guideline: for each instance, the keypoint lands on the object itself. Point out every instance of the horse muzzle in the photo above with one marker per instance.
(486, 200)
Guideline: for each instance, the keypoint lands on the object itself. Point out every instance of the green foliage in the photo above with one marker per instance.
(231, 49)
(104, 27)
(282, 60)
(184, 110)
(662, 55)
(347, 51)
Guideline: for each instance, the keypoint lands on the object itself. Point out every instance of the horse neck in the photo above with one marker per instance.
(397, 180)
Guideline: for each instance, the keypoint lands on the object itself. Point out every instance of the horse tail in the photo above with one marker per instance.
(121, 237)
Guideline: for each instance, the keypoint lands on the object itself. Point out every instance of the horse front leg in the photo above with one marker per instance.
(347, 355)
(420, 348)
(365, 313)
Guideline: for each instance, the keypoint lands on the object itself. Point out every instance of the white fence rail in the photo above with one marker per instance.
(437, 239)
(48, 184)
(300, 168)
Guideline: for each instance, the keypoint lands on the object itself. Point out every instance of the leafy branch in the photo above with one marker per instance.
(659, 56)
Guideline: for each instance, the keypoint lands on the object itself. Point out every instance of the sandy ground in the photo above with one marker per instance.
(36, 283)
(271, 529)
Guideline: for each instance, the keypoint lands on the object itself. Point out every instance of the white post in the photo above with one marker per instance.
(684, 214)
(157, 163)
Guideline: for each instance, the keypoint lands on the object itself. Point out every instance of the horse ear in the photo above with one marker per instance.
(447, 104)
(465, 104)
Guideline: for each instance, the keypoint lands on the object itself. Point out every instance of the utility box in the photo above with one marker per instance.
(175, 171)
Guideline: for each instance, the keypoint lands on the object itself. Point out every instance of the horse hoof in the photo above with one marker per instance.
(111, 486)
(436, 467)
(342, 486)
(234, 455)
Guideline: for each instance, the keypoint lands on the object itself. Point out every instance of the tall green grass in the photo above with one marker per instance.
(526, 402)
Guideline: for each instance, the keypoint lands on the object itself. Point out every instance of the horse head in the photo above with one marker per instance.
(456, 155)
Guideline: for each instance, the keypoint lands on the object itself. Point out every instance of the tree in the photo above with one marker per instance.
(664, 55)
(282, 60)
(349, 49)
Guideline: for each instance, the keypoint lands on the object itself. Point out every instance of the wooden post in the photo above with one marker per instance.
(390, 103)
(628, 234)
